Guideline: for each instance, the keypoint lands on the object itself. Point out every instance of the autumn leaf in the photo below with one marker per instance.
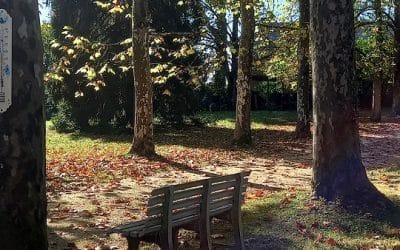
(384, 178)
(331, 242)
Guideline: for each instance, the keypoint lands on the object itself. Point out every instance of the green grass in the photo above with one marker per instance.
(82, 145)
(267, 219)
(260, 119)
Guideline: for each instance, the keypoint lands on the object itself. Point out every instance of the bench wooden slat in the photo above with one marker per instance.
(222, 178)
(185, 220)
(220, 210)
(178, 187)
(188, 193)
(144, 231)
(221, 194)
(196, 200)
(221, 203)
(155, 200)
(222, 185)
(156, 210)
(179, 214)
(136, 226)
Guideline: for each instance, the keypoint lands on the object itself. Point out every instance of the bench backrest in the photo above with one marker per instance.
(183, 203)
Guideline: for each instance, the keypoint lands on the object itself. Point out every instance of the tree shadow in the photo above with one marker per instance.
(187, 168)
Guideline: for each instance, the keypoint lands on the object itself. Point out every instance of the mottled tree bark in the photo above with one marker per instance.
(376, 114)
(242, 133)
(396, 80)
(338, 171)
(303, 78)
(143, 144)
(22, 133)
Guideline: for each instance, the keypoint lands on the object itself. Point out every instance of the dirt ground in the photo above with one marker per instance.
(79, 215)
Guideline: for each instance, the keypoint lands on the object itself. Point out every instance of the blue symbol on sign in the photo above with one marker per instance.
(7, 70)
(3, 19)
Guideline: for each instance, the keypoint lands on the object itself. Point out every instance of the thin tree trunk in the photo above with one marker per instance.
(233, 74)
(242, 133)
(396, 87)
(376, 115)
(377, 99)
(143, 123)
(22, 136)
(303, 80)
(338, 172)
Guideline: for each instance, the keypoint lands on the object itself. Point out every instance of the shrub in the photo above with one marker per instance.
(63, 120)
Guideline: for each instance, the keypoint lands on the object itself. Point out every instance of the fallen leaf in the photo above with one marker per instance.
(331, 242)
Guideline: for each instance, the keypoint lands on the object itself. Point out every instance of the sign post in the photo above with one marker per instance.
(5, 61)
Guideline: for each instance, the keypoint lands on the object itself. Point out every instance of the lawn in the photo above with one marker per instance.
(94, 185)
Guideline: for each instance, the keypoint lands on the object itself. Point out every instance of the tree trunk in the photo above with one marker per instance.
(143, 144)
(376, 115)
(242, 133)
(234, 62)
(22, 136)
(338, 172)
(396, 80)
(303, 80)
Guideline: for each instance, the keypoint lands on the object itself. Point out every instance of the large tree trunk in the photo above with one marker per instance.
(242, 133)
(376, 114)
(396, 87)
(303, 79)
(22, 134)
(143, 144)
(338, 171)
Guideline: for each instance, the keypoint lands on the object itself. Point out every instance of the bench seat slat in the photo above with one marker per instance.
(185, 220)
(144, 231)
(136, 226)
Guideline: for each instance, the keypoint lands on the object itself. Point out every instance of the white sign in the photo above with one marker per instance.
(5, 60)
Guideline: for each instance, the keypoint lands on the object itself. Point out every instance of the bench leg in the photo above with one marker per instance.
(167, 241)
(175, 233)
(238, 232)
(133, 243)
(205, 234)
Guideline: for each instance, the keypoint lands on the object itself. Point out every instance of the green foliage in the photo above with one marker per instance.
(174, 102)
(372, 59)
(63, 120)
(92, 70)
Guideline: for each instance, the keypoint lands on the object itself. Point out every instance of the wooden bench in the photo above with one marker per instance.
(189, 206)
